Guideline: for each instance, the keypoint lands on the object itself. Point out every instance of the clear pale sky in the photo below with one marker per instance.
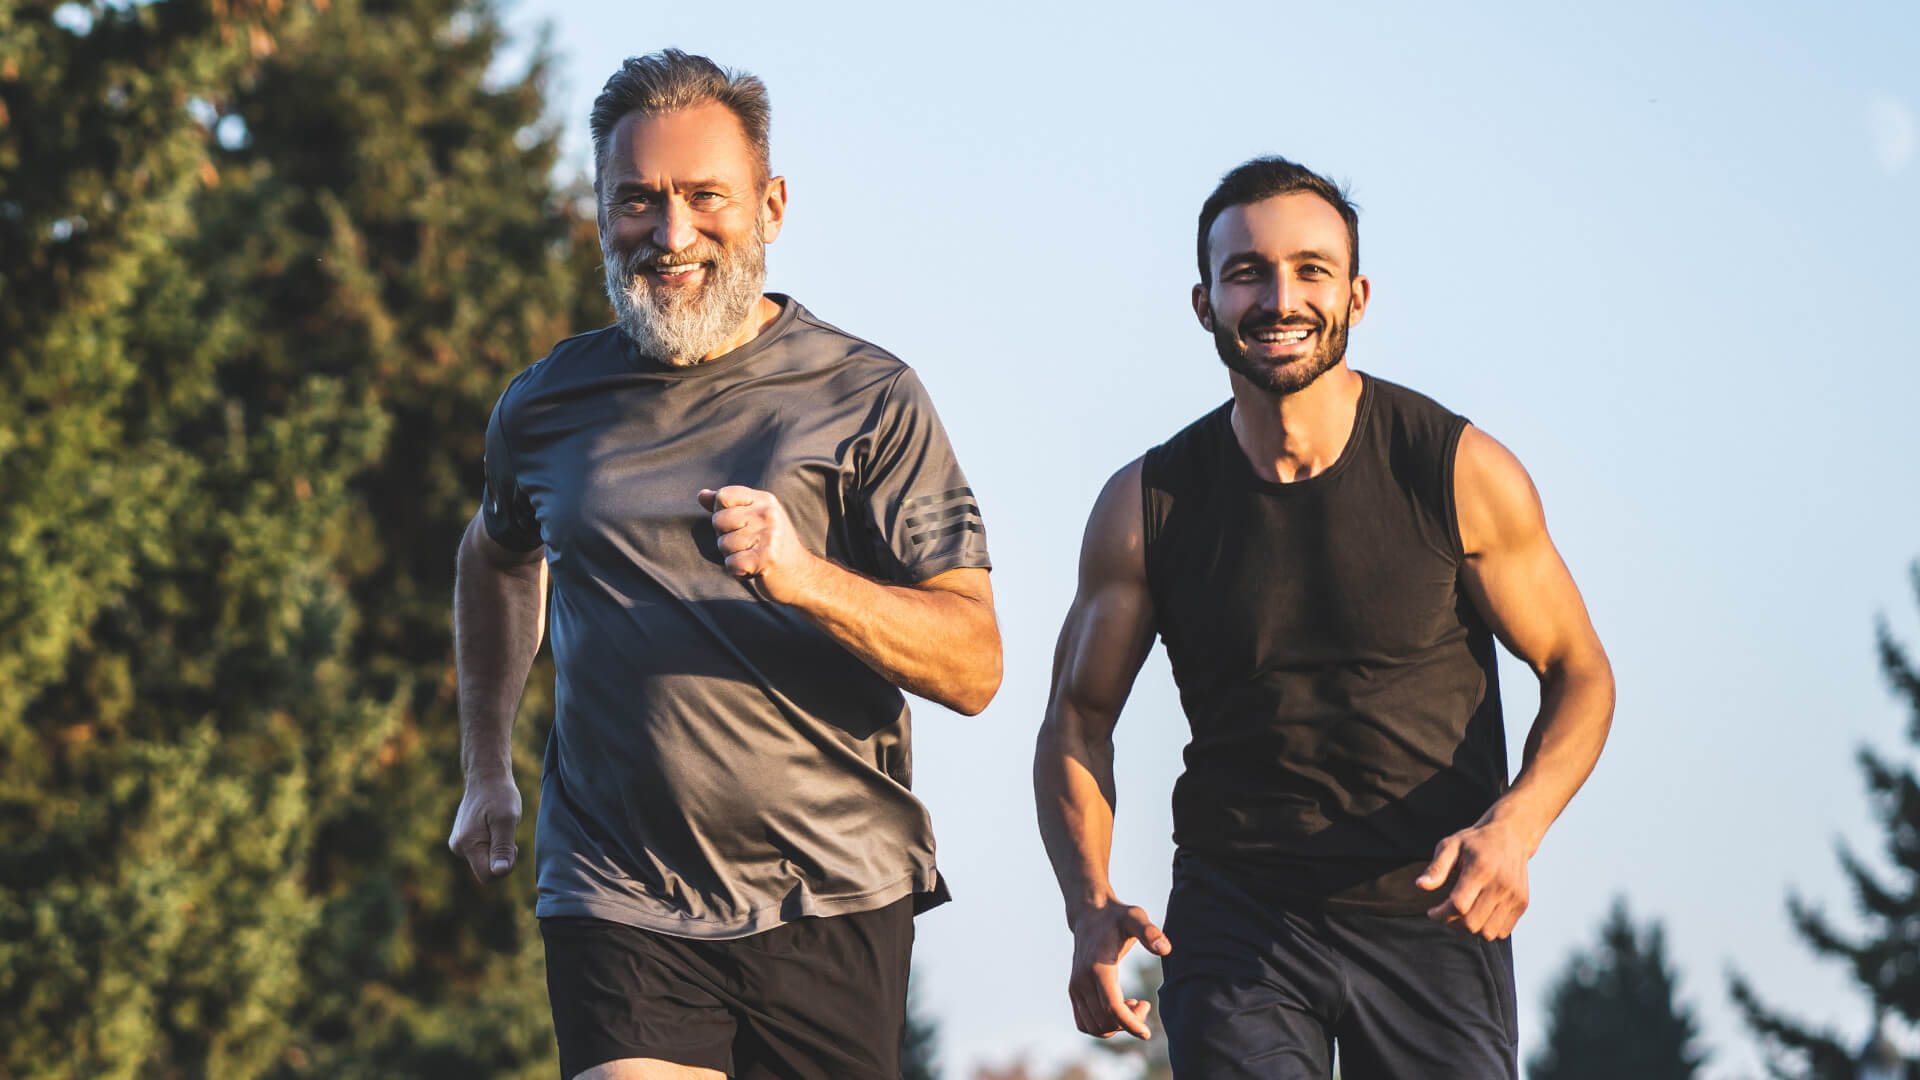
(1668, 257)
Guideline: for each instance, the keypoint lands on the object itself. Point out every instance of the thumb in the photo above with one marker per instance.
(708, 497)
(501, 849)
(1148, 934)
(1441, 866)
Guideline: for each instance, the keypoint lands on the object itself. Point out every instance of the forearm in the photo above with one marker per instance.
(1075, 797)
(1576, 712)
(499, 614)
(938, 644)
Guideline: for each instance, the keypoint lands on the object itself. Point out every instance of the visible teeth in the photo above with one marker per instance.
(1282, 335)
(676, 268)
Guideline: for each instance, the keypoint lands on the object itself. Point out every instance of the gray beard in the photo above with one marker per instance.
(1288, 379)
(681, 329)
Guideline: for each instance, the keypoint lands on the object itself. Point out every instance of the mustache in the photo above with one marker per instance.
(1253, 324)
(658, 258)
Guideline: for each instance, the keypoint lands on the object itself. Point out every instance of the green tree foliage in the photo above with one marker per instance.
(1611, 1012)
(243, 384)
(1884, 959)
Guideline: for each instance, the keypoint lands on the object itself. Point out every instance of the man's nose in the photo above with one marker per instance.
(673, 229)
(1280, 295)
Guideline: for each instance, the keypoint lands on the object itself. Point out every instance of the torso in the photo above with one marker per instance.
(1340, 688)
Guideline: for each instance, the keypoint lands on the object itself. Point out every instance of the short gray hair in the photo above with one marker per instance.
(669, 80)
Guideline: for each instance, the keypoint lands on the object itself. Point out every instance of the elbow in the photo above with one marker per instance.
(978, 680)
(980, 683)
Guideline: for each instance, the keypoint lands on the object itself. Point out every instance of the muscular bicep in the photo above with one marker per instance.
(1513, 573)
(1109, 628)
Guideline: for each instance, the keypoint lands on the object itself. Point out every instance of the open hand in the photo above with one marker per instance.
(1101, 936)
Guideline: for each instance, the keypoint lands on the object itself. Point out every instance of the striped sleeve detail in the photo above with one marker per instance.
(931, 517)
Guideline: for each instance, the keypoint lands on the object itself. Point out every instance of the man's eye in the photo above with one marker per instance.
(1312, 271)
(705, 198)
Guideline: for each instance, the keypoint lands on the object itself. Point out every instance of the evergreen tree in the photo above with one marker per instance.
(1884, 960)
(1611, 1012)
(920, 1052)
(241, 410)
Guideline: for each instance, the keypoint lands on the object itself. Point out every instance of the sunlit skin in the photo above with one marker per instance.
(686, 183)
(685, 186)
(1283, 262)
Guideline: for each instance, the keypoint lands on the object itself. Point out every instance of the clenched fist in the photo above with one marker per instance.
(758, 541)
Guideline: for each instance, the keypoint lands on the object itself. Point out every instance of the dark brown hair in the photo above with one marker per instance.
(1263, 178)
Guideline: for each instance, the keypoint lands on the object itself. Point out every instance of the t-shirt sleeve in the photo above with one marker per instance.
(923, 511)
(504, 507)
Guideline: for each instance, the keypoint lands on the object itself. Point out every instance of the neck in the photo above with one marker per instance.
(1291, 437)
(759, 317)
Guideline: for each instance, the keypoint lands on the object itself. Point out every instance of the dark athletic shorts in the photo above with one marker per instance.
(818, 998)
(1259, 990)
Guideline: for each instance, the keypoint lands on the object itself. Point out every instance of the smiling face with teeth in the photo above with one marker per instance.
(1282, 296)
(686, 212)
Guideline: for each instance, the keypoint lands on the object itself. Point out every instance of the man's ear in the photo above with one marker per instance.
(1202, 310)
(773, 209)
(1357, 304)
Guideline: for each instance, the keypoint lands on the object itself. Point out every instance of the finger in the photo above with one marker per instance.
(502, 852)
(1437, 871)
(1085, 1015)
(1473, 889)
(1444, 912)
(1116, 1005)
(476, 857)
(735, 495)
(706, 497)
(745, 563)
(732, 543)
(733, 519)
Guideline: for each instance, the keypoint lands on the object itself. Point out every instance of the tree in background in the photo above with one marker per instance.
(243, 386)
(1885, 959)
(920, 1052)
(152, 689)
(1611, 1012)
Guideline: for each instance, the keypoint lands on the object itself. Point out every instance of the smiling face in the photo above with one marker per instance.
(685, 217)
(1283, 295)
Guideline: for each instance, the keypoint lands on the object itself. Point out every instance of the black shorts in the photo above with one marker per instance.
(818, 998)
(1260, 991)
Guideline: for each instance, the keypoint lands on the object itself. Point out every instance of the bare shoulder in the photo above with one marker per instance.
(1114, 547)
(1493, 495)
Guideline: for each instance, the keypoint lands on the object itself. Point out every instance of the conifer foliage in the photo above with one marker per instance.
(1611, 1012)
(267, 263)
(1884, 958)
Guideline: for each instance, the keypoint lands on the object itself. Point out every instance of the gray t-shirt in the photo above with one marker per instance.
(718, 764)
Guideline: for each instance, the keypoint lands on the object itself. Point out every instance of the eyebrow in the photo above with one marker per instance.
(1238, 258)
(636, 187)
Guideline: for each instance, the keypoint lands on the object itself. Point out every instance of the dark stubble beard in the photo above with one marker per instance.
(681, 326)
(1291, 377)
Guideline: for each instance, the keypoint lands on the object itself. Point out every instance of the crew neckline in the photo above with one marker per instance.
(1362, 413)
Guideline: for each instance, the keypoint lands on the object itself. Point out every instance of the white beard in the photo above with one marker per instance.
(683, 327)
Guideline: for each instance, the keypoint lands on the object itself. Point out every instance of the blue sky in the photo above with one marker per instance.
(1665, 256)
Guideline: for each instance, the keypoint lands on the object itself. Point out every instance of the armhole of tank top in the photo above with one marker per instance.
(1149, 524)
(1448, 458)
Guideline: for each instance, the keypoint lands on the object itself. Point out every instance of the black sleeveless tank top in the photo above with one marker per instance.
(1340, 686)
